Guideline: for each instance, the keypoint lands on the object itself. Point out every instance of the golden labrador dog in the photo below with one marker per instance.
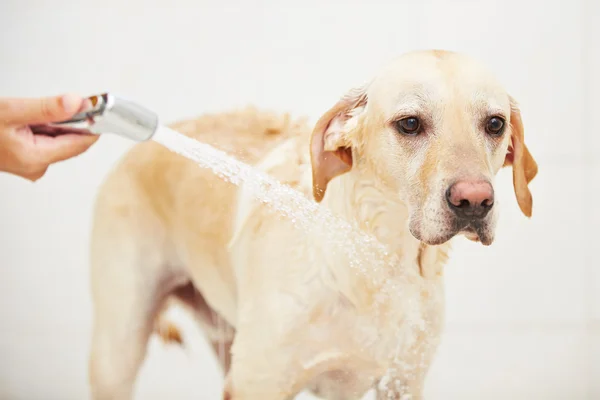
(408, 158)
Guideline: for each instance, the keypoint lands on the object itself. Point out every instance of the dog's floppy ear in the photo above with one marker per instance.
(524, 166)
(330, 146)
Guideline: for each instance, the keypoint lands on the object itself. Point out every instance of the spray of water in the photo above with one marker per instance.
(365, 253)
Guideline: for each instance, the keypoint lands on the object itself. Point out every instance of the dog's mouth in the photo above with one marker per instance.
(477, 231)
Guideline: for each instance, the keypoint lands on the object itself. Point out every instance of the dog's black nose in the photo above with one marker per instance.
(470, 199)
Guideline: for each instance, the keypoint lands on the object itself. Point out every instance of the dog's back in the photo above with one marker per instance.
(164, 178)
(172, 189)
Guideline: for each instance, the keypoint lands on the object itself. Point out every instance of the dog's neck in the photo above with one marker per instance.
(378, 211)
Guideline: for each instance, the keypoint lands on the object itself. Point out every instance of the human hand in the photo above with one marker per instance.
(29, 155)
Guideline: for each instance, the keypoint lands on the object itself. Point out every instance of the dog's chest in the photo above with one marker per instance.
(368, 344)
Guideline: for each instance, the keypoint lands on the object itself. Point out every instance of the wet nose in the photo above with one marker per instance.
(470, 199)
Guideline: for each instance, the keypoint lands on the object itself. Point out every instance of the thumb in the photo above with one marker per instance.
(29, 111)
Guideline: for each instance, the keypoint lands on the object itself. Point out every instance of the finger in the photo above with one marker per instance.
(28, 111)
(63, 147)
(55, 130)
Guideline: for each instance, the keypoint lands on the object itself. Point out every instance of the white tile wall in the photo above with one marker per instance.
(523, 315)
(535, 46)
(593, 261)
(594, 365)
(535, 270)
(527, 364)
(592, 132)
(592, 57)
(593, 191)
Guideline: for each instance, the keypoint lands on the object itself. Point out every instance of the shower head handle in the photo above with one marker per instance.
(108, 114)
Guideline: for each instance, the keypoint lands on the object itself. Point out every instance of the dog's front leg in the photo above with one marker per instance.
(254, 384)
(403, 386)
(256, 390)
(405, 377)
(264, 367)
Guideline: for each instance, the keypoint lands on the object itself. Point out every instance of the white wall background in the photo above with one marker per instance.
(523, 315)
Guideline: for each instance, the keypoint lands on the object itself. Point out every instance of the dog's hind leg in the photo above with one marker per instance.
(130, 279)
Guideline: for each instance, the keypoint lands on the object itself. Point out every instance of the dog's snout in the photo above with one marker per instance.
(470, 199)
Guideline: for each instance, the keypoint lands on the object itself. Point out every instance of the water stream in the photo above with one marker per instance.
(366, 253)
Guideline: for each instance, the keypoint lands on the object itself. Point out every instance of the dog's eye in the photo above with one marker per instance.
(409, 126)
(495, 126)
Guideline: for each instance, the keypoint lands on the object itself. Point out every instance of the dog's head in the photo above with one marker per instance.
(434, 127)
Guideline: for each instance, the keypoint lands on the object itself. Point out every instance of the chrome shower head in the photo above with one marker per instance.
(108, 114)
